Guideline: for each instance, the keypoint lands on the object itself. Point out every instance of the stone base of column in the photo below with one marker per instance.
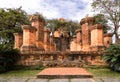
(46, 47)
(79, 47)
(40, 45)
(40, 49)
(85, 48)
(97, 48)
(28, 49)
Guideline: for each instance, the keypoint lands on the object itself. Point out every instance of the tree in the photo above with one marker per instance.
(111, 10)
(100, 19)
(66, 25)
(8, 57)
(10, 22)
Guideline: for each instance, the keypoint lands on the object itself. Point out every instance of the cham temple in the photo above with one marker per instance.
(37, 46)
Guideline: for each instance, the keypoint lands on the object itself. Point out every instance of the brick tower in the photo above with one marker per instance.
(38, 22)
(86, 23)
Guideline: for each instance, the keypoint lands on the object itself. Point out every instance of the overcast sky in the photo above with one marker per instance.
(68, 9)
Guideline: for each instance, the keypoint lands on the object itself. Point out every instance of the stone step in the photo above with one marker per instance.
(65, 72)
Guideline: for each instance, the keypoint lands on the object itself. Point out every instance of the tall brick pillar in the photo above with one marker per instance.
(73, 44)
(46, 39)
(97, 38)
(29, 35)
(107, 39)
(38, 22)
(79, 39)
(52, 44)
(86, 23)
(18, 40)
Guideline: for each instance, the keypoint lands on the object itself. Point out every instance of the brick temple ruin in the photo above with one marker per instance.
(37, 46)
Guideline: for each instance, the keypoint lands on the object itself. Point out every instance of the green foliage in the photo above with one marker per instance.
(111, 10)
(112, 56)
(8, 57)
(66, 25)
(100, 19)
(33, 67)
(10, 22)
(41, 17)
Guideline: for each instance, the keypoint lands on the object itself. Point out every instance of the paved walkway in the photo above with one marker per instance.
(61, 71)
(15, 79)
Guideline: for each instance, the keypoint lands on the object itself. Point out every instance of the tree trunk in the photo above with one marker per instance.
(117, 40)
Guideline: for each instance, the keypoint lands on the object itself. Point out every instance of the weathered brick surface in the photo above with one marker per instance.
(36, 39)
(28, 42)
(46, 39)
(29, 32)
(18, 40)
(85, 25)
(78, 35)
(107, 39)
(97, 35)
(56, 34)
(73, 46)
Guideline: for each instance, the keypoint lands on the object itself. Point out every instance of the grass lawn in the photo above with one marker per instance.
(20, 73)
(103, 72)
(96, 71)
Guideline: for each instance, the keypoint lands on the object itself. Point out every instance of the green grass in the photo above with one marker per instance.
(20, 73)
(102, 72)
(97, 71)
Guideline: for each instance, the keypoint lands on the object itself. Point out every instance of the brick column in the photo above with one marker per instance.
(73, 44)
(18, 40)
(29, 38)
(107, 39)
(86, 23)
(38, 22)
(46, 39)
(97, 37)
(79, 39)
(52, 44)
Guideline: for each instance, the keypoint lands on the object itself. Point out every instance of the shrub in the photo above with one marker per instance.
(8, 57)
(112, 57)
(33, 67)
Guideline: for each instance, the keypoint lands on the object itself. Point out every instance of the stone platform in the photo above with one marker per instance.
(68, 72)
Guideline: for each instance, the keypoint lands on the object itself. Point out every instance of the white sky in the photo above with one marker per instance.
(68, 9)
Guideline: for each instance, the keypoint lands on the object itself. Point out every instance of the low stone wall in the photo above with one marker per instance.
(62, 59)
